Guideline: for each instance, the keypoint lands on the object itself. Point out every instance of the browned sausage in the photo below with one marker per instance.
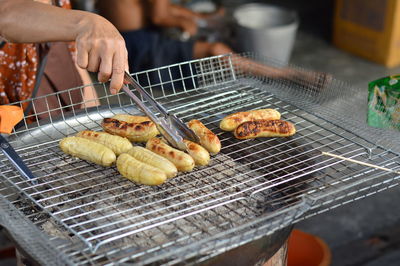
(198, 153)
(208, 139)
(232, 121)
(137, 132)
(183, 162)
(264, 128)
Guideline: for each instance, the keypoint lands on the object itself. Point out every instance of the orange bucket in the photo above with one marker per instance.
(10, 115)
(307, 250)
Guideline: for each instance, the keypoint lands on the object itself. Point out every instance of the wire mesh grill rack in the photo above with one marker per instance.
(86, 214)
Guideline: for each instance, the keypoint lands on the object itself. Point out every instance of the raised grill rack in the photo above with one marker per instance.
(86, 214)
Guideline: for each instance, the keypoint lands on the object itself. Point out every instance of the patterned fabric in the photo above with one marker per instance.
(18, 66)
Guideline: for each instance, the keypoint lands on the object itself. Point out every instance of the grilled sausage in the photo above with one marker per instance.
(232, 121)
(181, 160)
(139, 172)
(155, 160)
(136, 132)
(131, 118)
(198, 153)
(208, 139)
(264, 128)
(88, 150)
(116, 143)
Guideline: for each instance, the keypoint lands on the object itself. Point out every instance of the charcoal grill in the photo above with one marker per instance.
(80, 213)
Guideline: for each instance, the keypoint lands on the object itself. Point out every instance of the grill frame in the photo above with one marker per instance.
(218, 83)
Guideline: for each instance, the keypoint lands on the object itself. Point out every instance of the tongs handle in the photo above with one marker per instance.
(163, 124)
(10, 115)
(141, 105)
(145, 94)
(17, 162)
(171, 127)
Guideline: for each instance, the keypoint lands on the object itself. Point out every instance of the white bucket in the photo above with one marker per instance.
(265, 29)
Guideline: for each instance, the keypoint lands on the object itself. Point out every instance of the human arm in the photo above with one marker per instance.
(165, 14)
(99, 45)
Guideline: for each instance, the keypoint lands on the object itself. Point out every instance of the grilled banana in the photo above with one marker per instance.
(198, 153)
(131, 118)
(181, 160)
(139, 172)
(264, 128)
(136, 132)
(155, 160)
(116, 143)
(232, 121)
(208, 139)
(88, 150)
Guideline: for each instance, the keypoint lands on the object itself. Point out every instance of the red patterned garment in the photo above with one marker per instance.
(18, 67)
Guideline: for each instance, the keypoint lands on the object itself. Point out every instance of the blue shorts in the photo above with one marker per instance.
(149, 48)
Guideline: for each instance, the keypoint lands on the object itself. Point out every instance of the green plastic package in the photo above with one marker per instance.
(384, 103)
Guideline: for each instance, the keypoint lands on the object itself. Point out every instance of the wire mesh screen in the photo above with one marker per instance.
(91, 214)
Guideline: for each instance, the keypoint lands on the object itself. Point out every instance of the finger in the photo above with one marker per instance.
(126, 70)
(82, 56)
(126, 62)
(94, 61)
(117, 76)
(105, 68)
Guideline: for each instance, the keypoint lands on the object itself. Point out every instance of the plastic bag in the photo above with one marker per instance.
(384, 103)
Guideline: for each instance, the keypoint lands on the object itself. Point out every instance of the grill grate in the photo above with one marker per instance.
(251, 189)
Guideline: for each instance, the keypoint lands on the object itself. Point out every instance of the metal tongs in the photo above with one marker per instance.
(9, 116)
(170, 126)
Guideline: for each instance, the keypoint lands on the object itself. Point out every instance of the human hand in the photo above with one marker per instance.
(100, 48)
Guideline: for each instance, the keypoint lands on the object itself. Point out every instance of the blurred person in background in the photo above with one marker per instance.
(141, 23)
(80, 41)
